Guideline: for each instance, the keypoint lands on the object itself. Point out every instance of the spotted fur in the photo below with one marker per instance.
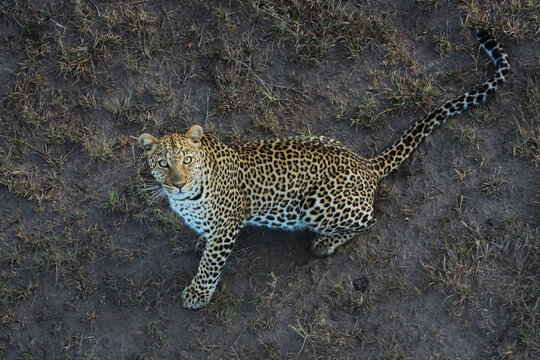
(302, 182)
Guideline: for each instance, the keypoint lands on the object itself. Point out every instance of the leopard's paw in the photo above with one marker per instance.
(193, 298)
(322, 249)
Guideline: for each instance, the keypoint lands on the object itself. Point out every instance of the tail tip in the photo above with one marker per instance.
(483, 35)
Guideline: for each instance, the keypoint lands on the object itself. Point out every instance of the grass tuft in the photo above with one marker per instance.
(518, 19)
(366, 115)
(76, 62)
(100, 147)
(493, 186)
(408, 93)
(315, 26)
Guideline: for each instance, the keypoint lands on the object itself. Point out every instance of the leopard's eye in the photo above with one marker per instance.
(163, 163)
(188, 160)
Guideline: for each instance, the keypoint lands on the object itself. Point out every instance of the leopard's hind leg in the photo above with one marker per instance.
(326, 244)
(338, 209)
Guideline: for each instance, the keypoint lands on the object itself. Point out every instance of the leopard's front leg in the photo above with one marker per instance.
(219, 245)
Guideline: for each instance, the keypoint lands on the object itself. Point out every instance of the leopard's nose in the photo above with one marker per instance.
(179, 184)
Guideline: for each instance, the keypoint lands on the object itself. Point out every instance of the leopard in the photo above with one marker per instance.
(314, 183)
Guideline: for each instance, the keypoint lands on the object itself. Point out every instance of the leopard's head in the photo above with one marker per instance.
(175, 159)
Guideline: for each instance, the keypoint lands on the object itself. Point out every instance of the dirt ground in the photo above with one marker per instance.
(92, 267)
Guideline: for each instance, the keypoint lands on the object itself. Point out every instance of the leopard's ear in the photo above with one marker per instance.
(194, 136)
(148, 143)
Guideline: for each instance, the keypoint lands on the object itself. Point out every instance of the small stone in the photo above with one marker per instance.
(361, 284)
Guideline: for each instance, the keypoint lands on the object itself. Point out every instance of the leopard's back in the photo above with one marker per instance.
(277, 176)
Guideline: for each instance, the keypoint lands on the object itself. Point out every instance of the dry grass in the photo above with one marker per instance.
(519, 19)
(90, 253)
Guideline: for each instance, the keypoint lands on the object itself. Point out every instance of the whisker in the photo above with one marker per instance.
(148, 187)
(156, 195)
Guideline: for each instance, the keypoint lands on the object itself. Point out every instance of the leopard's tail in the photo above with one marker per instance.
(400, 150)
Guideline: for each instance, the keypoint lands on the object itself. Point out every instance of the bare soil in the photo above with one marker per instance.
(92, 267)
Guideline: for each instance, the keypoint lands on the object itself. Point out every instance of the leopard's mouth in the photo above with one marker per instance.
(171, 189)
(180, 188)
